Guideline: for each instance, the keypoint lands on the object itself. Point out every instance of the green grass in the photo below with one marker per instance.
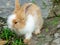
(47, 30)
(11, 37)
(51, 23)
(44, 4)
(54, 21)
(33, 1)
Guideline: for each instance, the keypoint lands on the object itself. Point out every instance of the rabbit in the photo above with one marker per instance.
(25, 20)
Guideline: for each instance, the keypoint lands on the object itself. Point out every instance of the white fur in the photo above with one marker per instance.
(30, 26)
(10, 19)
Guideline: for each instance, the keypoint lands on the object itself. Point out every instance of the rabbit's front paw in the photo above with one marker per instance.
(27, 38)
(37, 31)
(26, 41)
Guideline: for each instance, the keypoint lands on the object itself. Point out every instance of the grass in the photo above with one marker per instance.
(44, 4)
(33, 1)
(55, 21)
(51, 23)
(11, 37)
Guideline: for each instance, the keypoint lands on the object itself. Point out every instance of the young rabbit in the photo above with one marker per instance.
(25, 20)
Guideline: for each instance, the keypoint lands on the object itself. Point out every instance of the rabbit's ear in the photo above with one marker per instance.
(17, 6)
(27, 7)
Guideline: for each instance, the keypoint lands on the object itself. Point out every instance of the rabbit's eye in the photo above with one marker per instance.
(15, 22)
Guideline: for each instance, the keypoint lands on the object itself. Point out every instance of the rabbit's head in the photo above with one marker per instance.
(17, 19)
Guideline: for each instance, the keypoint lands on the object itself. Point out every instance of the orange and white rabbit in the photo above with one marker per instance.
(25, 20)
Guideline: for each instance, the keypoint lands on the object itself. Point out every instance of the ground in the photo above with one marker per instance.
(50, 33)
